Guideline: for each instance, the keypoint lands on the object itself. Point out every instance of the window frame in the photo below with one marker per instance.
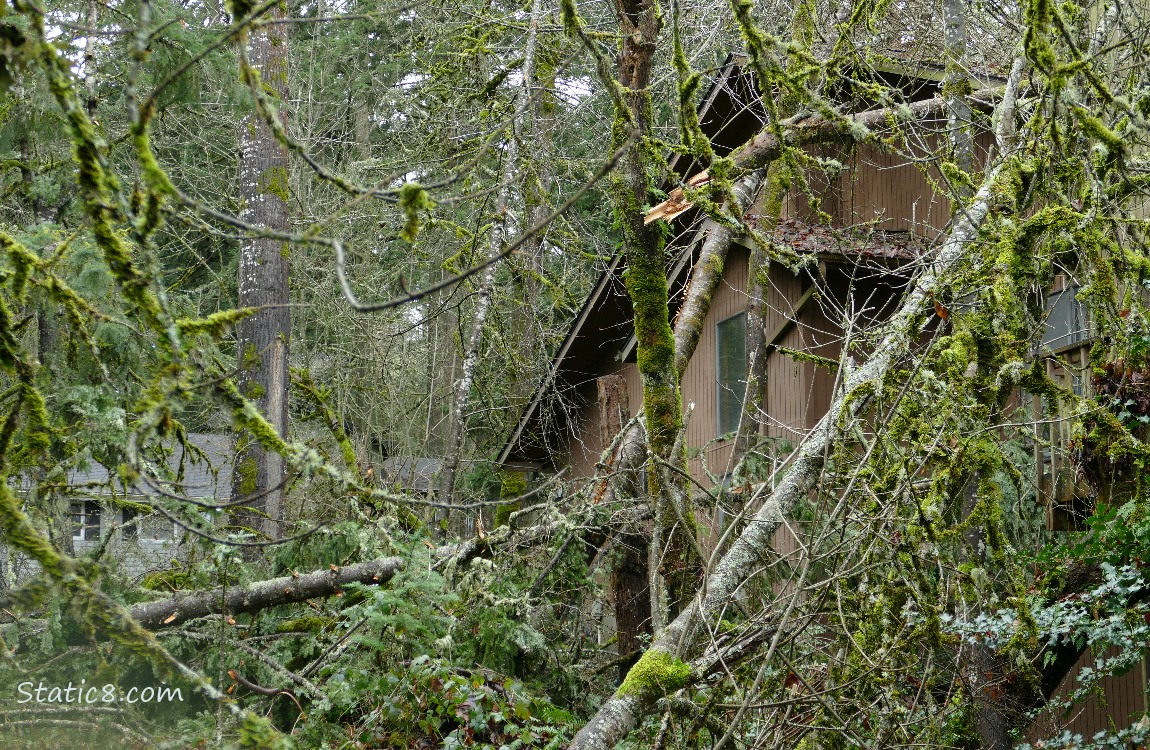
(87, 524)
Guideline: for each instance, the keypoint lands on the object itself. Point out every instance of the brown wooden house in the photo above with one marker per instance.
(884, 209)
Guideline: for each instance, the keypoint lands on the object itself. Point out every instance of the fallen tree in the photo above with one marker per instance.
(662, 668)
(167, 613)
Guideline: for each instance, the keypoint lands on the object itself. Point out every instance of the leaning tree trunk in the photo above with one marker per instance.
(262, 339)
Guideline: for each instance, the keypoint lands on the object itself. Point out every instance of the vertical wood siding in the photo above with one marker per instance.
(700, 380)
(1123, 702)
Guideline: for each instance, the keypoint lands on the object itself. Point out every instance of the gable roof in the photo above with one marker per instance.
(197, 478)
(729, 113)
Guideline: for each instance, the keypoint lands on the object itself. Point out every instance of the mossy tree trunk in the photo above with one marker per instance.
(955, 90)
(646, 281)
(262, 339)
(529, 319)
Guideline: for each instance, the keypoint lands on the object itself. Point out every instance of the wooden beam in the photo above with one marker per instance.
(785, 327)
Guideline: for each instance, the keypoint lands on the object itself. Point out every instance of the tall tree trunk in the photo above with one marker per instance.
(262, 340)
(487, 284)
(530, 317)
(640, 22)
(955, 90)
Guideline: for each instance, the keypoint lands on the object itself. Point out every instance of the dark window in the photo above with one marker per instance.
(131, 530)
(85, 520)
(731, 346)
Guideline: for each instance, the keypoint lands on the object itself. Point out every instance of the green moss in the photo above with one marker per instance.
(167, 580)
(251, 358)
(274, 181)
(304, 625)
(248, 471)
(814, 359)
(512, 485)
(958, 88)
(258, 733)
(655, 674)
(413, 201)
(215, 324)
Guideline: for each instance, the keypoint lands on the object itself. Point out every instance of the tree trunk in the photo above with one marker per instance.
(529, 322)
(956, 88)
(262, 339)
(487, 284)
(170, 613)
(629, 586)
(646, 280)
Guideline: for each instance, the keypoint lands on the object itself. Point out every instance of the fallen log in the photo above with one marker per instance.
(168, 613)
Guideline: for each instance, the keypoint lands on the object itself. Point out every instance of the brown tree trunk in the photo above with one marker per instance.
(629, 586)
(262, 339)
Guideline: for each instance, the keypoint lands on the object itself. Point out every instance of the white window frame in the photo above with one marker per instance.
(82, 529)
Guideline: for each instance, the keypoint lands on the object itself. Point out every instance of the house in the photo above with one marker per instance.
(136, 543)
(883, 210)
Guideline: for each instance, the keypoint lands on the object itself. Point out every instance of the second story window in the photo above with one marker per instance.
(731, 347)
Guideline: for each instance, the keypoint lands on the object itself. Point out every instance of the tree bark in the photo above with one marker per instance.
(529, 319)
(631, 590)
(955, 89)
(169, 613)
(262, 339)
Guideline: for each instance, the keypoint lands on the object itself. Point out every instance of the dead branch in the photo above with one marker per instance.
(254, 597)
